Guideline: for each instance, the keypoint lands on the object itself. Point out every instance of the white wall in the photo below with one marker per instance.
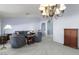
(20, 24)
(0, 26)
(70, 19)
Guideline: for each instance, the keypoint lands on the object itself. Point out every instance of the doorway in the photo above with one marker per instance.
(50, 28)
(43, 28)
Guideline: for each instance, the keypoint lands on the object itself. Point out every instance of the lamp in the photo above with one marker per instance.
(6, 27)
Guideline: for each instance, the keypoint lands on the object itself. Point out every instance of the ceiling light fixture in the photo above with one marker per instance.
(51, 10)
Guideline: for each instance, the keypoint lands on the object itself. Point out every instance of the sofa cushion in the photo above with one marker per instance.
(24, 33)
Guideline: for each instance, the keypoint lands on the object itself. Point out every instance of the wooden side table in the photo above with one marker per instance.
(3, 41)
(30, 39)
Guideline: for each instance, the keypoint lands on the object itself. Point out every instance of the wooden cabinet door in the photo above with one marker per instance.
(73, 40)
(70, 37)
(67, 37)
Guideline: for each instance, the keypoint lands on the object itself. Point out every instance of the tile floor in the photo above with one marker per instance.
(46, 47)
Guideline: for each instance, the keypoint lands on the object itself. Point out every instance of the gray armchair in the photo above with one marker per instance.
(17, 41)
(38, 37)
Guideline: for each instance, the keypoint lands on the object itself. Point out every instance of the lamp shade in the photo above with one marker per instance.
(7, 27)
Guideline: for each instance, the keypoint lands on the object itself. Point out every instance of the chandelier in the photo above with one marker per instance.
(51, 10)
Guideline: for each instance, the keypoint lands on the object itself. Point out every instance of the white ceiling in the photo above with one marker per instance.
(23, 10)
(19, 10)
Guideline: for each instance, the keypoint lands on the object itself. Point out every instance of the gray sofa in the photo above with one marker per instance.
(18, 41)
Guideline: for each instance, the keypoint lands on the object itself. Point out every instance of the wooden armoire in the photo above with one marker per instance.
(71, 37)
